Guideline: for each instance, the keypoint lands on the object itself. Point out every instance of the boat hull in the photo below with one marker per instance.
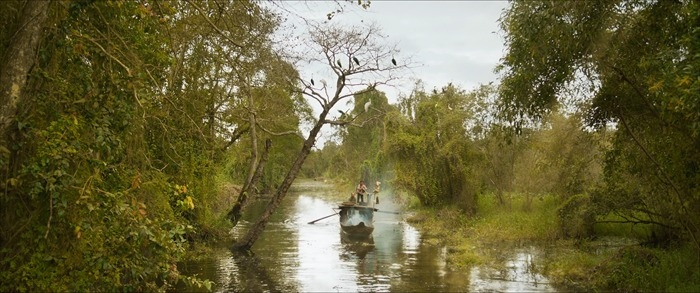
(359, 229)
(356, 220)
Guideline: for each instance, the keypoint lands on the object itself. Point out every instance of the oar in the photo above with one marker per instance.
(314, 221)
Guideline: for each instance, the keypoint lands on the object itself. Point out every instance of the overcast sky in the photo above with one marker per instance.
(452, 41)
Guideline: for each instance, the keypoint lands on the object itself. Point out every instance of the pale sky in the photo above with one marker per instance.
(452, 41)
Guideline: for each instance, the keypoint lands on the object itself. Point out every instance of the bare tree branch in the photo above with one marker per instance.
(334, 44)
(290, 132)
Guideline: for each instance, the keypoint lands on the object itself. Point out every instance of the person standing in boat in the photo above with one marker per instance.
(376, 191)
(361, 190)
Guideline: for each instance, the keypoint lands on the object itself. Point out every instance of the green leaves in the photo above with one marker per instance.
(96, 98)
(431, 150)
(633, 63)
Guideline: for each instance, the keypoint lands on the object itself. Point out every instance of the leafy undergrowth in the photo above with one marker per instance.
(493, 224)
(471, 240)
(631, 268)
(598, 265)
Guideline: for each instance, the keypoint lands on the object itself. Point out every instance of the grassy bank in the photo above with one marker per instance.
(613, 262)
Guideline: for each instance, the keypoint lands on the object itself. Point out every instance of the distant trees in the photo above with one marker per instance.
(429, 146)
(361, 153)
(560, 158)
(448, 146)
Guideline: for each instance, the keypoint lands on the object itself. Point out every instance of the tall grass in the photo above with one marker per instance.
(597, 265)
(516, 222)
(631, 268)
(470, 239)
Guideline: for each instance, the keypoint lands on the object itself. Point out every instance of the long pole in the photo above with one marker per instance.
(314, 221)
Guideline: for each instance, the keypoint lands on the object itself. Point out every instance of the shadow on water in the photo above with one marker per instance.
(293, 256)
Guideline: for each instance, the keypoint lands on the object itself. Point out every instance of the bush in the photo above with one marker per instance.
(576, 217)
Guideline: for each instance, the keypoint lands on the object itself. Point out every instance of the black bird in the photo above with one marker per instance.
(393, 61)
(340, 64)
(341, 112)
(356, 61)
(312, 81)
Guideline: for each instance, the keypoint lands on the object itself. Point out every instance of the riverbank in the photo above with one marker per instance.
(613, 262)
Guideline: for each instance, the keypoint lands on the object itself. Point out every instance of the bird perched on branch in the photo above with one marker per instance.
(393, 61)
(367, 105)
(312, 81)
(340, 64)
(356, 61)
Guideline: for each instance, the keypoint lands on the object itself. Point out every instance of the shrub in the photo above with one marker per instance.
(576, 217)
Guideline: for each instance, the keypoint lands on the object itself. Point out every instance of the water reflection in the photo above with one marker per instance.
(516, 275)
(293, 256)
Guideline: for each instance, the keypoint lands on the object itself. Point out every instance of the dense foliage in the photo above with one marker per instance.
(632, 64)
(129, 113)
(428, 144)
(121, 120)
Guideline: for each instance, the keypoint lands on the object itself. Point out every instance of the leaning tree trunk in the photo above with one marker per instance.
(244, 197)
(235, 213)
(255, 231)
(18, 61)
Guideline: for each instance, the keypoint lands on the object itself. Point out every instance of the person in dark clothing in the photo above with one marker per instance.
(361, 190)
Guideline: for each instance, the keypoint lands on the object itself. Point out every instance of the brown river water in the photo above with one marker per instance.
(293, 256)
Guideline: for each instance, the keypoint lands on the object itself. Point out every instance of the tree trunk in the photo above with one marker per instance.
(255, 231)
(235, 213)
(253, 141)
(18, 61)
(244, 197)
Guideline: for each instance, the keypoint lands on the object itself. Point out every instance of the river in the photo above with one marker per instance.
(293, 256)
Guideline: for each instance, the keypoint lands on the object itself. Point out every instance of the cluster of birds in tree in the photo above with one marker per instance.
(357, 61)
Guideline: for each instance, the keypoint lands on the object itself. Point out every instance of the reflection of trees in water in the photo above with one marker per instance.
(423, 268)
(392, 260)
(362, 249)
(263, 271)
(253, 275)
(421, 271)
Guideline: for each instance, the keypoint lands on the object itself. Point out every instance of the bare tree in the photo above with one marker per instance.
(359, 62)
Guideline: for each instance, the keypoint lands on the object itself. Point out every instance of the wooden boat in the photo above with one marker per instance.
(356, 219)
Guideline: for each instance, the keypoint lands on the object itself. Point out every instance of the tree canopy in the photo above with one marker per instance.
(632, 64)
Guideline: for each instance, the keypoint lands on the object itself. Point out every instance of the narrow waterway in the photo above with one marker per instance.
(293, 256)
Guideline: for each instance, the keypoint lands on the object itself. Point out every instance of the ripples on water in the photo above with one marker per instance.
(293, 256)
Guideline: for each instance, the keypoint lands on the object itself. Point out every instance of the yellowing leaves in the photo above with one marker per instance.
(185, 203)
(683, 81)
(180, 189)
(656, 87)
(188, 202)
(136, 182)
